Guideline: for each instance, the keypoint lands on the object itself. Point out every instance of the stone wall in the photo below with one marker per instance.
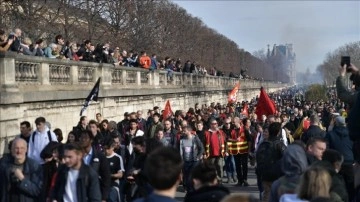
(32, 87)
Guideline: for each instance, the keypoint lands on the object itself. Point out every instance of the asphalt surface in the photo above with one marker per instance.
(251, 189)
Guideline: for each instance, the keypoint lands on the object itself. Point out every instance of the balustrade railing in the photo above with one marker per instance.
(26, 72)
(20, 70)
(59, 74)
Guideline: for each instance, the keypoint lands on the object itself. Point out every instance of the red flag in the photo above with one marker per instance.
(167, 113)
(233, 94)
(246, 110)
(265, 106)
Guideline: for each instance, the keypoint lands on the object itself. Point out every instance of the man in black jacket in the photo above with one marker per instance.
(75, 179)
(20, 176)
(97, 161)
(314, 129)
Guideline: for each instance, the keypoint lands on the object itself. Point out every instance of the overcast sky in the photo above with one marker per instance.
(313, 27)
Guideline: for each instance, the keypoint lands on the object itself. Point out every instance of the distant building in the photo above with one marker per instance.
(283, 60)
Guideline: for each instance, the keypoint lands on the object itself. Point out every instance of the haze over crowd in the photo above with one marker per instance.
(313, 27)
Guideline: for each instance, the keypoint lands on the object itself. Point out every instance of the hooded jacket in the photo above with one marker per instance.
(293, 165)
(339, 140)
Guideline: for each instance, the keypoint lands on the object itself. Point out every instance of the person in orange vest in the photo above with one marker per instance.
(144, 61)
(241, 145)
(216, 148)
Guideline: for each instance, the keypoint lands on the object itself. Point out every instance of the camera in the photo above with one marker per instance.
(345, 60)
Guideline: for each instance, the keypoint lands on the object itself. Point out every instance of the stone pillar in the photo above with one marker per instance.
(104, 71)
(74, 74)
(191, 79)
(44, 74)
(155, 79)
(138, 78)
(7, 72)
(165, 83)
(123, 76)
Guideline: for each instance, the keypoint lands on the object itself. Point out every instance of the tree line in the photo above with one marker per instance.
(331, 63)
(156, 26)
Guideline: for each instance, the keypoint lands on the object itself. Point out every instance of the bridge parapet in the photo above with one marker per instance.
(20, 75)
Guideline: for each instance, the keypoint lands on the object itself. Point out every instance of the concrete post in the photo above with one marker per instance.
(155, 79)
(7, 72)
(123, 77)
(74, 74)
(44, 74)
(138, 78)
(106, 75)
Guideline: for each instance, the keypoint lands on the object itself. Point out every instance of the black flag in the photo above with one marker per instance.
(92, 96)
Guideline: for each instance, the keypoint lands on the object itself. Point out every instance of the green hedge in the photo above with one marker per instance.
(316, 92)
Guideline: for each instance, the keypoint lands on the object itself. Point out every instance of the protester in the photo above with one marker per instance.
(314, 183)
(215, 147)
(206, 184)
(293, 165)
(268, 159)
(25, 131)
(76, 181)
(21, 176)
(191, 150)
(163, 170)
(315, 149)
(97, 161)
(116, 168)
(39, 139)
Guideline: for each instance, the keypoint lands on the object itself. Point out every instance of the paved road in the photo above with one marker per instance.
(252, 189)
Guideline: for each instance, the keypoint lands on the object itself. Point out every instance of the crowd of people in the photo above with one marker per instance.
(306, 151)
(102, 53)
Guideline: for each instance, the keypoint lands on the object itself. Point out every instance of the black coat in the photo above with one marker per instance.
(339, 140)
(87, 185)
(29, 188)
(313, 131)
(101, 165)
(207, 194)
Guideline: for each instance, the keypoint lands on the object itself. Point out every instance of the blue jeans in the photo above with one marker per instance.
(187, 168)
(230, 166)
(114, 195)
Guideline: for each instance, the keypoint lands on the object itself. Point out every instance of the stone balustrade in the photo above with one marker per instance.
(43, 74)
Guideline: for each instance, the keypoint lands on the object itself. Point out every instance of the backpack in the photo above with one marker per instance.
(268, 161)
(33, 136)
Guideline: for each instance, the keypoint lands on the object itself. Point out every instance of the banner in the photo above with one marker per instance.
(93, 96)
(233, 94)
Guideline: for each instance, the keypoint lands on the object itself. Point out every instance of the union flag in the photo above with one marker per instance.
(167, 113)
(233, 94)
(265, 106)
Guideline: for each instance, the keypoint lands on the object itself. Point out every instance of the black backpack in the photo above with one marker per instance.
(268, 161)
(34, 133)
